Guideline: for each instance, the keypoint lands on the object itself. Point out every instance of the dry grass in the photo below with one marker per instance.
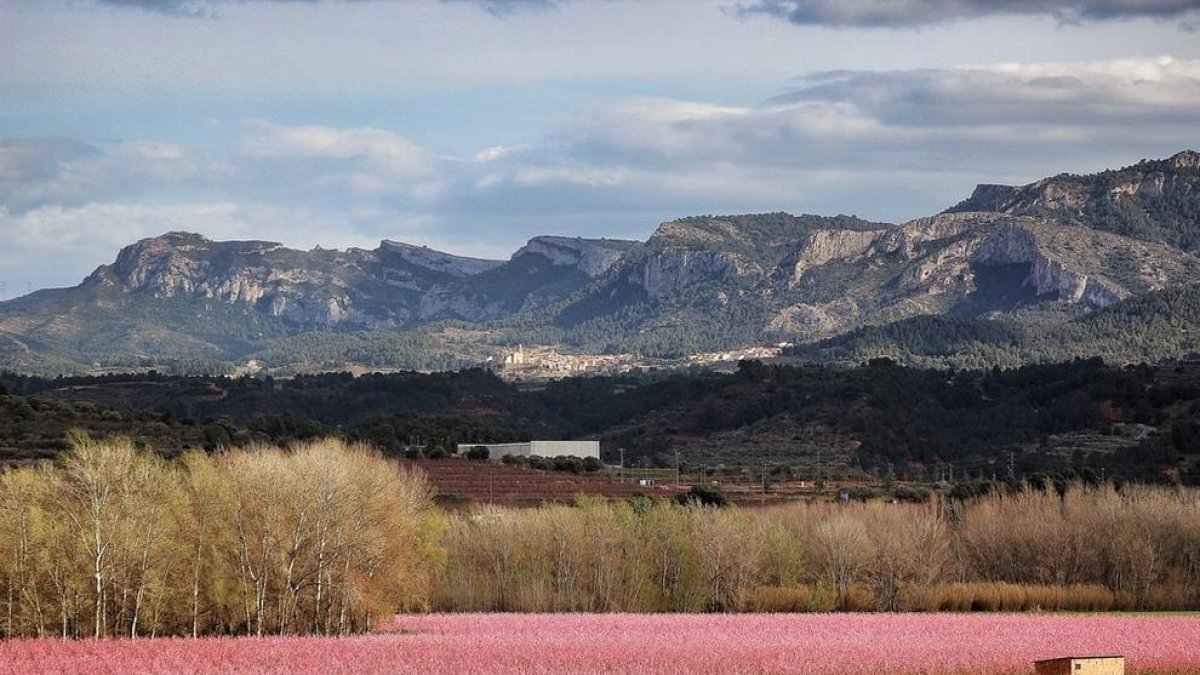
(1006, 597)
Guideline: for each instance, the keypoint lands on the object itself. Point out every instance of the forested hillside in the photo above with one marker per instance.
(1141, 422)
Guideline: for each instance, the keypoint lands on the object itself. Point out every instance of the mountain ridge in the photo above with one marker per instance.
(697, 284)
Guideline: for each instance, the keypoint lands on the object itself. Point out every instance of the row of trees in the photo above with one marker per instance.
(115, 541)
(1088, 549)
(326, 538)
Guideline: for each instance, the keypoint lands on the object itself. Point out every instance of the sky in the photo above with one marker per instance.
(472, 125)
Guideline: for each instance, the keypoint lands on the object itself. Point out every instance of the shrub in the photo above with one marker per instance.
(1006, 597)
(702, 496)
(908, 495)
(860, 599)
(788, 599)
(568, 463)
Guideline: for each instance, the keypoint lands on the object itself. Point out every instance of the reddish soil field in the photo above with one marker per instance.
(514, 485)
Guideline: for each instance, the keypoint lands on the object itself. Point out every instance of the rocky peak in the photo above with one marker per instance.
(437, 261)
(1188, 159)
(181, 262)
(175, 238)
(162, 261)
(593, 257)
(163, 245)
(755, 230)
(986, 197)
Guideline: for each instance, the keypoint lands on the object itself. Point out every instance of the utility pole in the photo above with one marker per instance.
(1011, 470)
(621, 473)
(676, 468)
(764, 484)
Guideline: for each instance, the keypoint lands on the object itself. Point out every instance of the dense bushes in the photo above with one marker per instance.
(564, 463)
(114, 541)
(1090, 549)
(1004, 597)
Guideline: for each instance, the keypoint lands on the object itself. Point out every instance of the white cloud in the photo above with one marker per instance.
(860, 118)
(537, 176)
(907, 13)
(499, 152)
(666, 110)
(887, 145)
(57, 171)
(381, 148)
(1161, 89)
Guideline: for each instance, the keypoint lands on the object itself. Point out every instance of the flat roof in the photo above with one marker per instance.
(537, 440)
(1068, 658)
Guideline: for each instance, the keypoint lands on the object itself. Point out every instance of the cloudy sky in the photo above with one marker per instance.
(471, 125)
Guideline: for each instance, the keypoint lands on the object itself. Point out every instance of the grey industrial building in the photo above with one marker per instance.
(581, 449)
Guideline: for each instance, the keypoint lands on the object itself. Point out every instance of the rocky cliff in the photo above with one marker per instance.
(827, 277)
(593, 257)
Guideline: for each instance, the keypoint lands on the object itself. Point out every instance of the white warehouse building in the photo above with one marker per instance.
(582, 449)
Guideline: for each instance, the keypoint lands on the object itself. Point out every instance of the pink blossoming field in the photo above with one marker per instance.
(852, 644)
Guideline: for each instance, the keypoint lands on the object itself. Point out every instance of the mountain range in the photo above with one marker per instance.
(1072, 265)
